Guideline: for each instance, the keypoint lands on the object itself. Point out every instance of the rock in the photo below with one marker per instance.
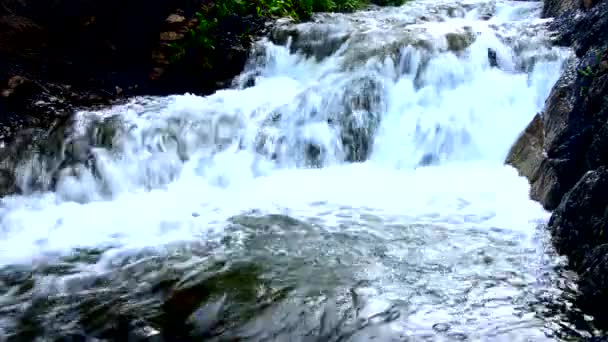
(550, 153)
(170, 36)
(7, 183)
(580, 221)
(175, 18)
(555, 8)
(185, 308)
(581, 30)
(492, 58)
(527, 154)
(363, 102)
(594, 281)
(312, 41)
(428, 159)
(459, 41)
(547, 188)
(19, 88)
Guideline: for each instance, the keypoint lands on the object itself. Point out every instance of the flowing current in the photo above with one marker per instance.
(350, 186)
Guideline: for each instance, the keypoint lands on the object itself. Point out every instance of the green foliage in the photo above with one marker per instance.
(586, 72)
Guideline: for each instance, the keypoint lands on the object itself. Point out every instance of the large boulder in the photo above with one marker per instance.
(580, 221)
(594, 282)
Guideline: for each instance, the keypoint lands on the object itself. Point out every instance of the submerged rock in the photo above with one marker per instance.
(459, 41)
(594, 282)
(318, 41)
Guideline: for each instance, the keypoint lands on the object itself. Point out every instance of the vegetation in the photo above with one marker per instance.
(207, 33)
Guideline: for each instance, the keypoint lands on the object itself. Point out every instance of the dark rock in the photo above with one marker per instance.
(554, 8)
(594, 281)
(313, 41)
(7, 183)
(428, 159)
(579, 223)
(458, 42)
(363, 102)
(492, 58)
(581, 30)
(571, 127)
(526, 155)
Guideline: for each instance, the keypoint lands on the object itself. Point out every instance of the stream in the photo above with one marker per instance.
(350, 186)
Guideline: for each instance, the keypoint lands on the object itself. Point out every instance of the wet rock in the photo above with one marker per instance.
(7, 183)
(441, 327)
(428, 159)
(582, 30)
(550, 152)
(492, 58)
(527, 154)
(594, 269)
(579, 223)
(555, 8)
(459, 41)
(230, 294)
(35, 160)
(19, 88)
(315, 41)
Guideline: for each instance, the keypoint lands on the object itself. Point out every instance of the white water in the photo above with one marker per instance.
(481, 110)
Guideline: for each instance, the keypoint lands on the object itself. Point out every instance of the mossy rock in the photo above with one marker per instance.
(458, 42)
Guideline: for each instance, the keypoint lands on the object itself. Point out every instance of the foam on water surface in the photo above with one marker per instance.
(472, 195)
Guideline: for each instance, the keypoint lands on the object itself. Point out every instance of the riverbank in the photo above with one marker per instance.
(564, 150)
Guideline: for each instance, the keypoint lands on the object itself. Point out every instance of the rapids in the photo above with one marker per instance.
(355, 168)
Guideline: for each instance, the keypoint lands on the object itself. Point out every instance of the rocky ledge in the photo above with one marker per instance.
(57, 56)
(564, 150)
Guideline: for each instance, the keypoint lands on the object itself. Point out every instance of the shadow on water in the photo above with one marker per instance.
(262, 284)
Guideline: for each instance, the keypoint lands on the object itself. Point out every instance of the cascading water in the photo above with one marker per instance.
(358, 161)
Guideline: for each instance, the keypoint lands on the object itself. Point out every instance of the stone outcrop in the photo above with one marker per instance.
(564, 150)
